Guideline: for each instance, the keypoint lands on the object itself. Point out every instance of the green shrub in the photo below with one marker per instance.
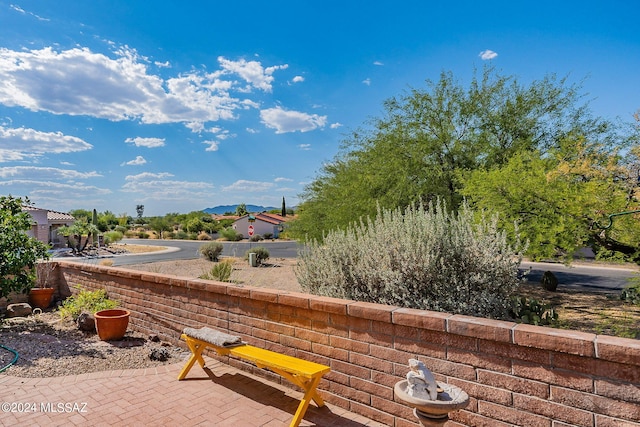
(256, 238)
(85, 300)
(418, 258)
(121, 229)
(230, 234)
(112, 237)
(532, 312)
(143, 235)
(204, 236)
(267, 236)
(262, 254)
(221, 271)
(631, 293)
(181, 235)
(211, 251)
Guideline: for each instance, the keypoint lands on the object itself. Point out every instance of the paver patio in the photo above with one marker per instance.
(219, 396)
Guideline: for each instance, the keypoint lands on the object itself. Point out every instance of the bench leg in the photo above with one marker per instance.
(196, 347)
(310, 393)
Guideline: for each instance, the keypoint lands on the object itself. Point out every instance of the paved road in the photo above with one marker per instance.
(580, 276)
(185, 249)
(577, 276)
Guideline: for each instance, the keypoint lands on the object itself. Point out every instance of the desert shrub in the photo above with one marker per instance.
(417, 258)
(230, 234)
(85, 300)
(180, 235)
(211, 251)
(112, 237)
(204, 236)
(256, 238)
(532, 311)
(143, 235)
(121, 229)
(267, 236)
(262, 254)
(631, 293)
(221, 271)
(169, 235)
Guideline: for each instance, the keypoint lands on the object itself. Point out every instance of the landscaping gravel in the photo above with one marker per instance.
(50, 347)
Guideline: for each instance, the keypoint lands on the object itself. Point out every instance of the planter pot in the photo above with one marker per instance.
(112, 324)
(40, 297)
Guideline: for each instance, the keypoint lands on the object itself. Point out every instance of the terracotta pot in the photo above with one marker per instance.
(112, 324)
(40, 297)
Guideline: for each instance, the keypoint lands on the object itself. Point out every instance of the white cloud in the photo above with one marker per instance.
(36, 173)
(298, 79)
(213, 145)
(487, 54)
(367, 81)
(24, 143)
(139, 160)
(249, 186)
(378, 63)
(146, 142)
(165, 64)
(284, 121)
(250, 130)
(120, 86)
(282, 179)
(252, 72)
(156, 188)
(24, 12)
(336, 125)
(305, 147)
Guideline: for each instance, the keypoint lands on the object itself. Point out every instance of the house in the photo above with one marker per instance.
(46, 222)
(263, 223)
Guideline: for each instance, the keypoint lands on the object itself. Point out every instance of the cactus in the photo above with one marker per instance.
(549, 281)
(94, 221)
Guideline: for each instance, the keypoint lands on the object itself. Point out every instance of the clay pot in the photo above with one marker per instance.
(40, 297)
(112, 324)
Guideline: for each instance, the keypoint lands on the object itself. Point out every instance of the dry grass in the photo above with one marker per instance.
(597, 312)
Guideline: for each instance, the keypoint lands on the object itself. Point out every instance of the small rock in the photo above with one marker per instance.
(159, 354)
(86, 322)
(154, 338)
(21, 309)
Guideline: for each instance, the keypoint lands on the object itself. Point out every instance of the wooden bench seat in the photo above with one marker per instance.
(305, 374)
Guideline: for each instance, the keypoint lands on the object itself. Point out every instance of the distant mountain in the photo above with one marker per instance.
(232, 208)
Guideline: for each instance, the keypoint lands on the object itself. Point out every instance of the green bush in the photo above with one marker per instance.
(267, 236)
(121, 229)
(230, 234)
(631, 293)
(262, 254)
(418, 258)
(532, 312)
(221, 271)
(85, 300)
(211, 251)
(112, 237)
(143, 235)
(256, 238)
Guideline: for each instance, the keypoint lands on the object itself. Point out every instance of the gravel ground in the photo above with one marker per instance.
(49, 347)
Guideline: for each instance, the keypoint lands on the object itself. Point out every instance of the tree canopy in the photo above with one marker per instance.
(532, 153)
(18, 251)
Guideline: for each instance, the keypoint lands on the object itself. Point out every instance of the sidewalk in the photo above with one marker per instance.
(224, 396)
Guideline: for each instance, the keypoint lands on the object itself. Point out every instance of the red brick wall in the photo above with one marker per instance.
(515, 374)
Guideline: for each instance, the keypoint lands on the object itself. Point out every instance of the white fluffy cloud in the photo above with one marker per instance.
(284, 121)
(146, 142)
(121, 86)
(252, 72)
(139, 160)
(23, 143)
(35, 172)
(487, 54)
(212, 145)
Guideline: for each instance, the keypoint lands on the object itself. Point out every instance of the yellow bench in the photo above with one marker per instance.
(305, 374)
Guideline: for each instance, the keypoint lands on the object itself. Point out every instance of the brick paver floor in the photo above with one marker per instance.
(154, 397)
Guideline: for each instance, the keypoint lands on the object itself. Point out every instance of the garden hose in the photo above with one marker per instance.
(15, 357)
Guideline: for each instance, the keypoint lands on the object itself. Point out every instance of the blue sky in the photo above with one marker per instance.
(184, 105)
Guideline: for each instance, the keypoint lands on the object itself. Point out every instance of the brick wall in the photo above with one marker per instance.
(515, 374)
